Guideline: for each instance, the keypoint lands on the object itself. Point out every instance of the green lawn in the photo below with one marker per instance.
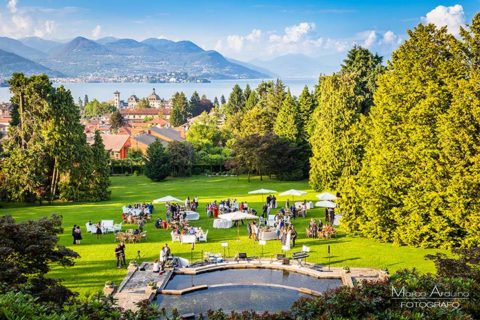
(97, 262)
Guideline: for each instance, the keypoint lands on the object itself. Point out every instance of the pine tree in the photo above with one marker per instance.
(180, 109)
(335, 118)
(255, 121)
(403, 185)
(223, 100)
(194, 104)
(236, 101)
(215, 102)
(287, 122)
(251, 101)
(100, 179)
(157, 162)
(306, 106)
(246, 92)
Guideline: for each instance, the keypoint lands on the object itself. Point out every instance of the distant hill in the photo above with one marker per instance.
(10, 63)
(269, 73)
(110, 56)
(82, 56)
(40, 44)
(18, 48)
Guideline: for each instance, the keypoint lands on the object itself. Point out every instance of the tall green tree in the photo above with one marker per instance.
(116, 120)
(47, 155)
(180, 109)
(306, 106)
(100, 179)
(181, 156)
(287, 122)
(157, 162)
(236, 101)
(335, 119)
(251, 101)
(96, 108)
(365, 68)
(194, 104)
(409, 174)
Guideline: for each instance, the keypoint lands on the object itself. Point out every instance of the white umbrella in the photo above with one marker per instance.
(236, 216)
(326, 196)
(166, 199)
(262, 191)
(326, 204)
(293, 192)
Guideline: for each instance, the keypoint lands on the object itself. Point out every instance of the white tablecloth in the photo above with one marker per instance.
(192, 215)
(222, 224)
(267, 235)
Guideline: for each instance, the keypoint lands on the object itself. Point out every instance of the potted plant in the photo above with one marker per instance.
(109, 288)
(132, 266)
(151, 287)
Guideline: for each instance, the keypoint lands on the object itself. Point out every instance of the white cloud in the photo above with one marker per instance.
(17, 22)
(96, 31)
(12, 6)
(370, 38)
(389, 37)
(299, 38)
(453, 17)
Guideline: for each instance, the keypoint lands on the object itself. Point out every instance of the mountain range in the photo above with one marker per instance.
(107, 57)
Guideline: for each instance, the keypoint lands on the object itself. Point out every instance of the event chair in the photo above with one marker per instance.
(203, 237)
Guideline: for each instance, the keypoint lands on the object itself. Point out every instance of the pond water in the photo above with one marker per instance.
(232, 298)
(249, 290)
(243, 276)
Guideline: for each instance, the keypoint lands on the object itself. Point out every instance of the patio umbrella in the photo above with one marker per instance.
(262, 192)
(326, 204)
(237, 216)
(166, 199)
(326, 196)
(293, 192)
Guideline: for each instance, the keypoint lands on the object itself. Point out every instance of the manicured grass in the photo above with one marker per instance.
(97, 262)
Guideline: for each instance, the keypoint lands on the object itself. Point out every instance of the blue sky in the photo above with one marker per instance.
(240, 29)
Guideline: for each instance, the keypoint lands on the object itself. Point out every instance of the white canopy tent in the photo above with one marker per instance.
(166, 199)
(237, 216)
(327, 196)
(326, 204)
(293, 192)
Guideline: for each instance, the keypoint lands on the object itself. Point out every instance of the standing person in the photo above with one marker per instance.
(141, 223)
(120, 255)
(327, 215)
(99, 230)
(332, 216)
(78, 235)
(249, 229)
(293, 235)
(74, 234)
(287, 204)
(164, 253)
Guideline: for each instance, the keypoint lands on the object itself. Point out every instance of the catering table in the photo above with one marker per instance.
(191, 215)
(222, 224)
(267, 235)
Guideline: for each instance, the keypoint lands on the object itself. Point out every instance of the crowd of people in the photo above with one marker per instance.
(138, 211)
(225, 206)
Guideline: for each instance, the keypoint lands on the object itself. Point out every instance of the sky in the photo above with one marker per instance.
(245, 30)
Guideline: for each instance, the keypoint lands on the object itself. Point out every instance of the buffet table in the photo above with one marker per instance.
(191, 215)
(267, 235)
(222, 224)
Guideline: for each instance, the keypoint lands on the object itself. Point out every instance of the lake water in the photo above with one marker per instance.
(104, 91)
